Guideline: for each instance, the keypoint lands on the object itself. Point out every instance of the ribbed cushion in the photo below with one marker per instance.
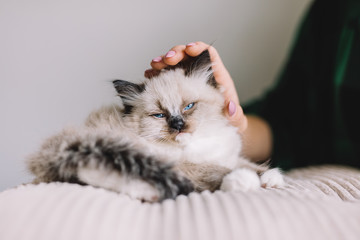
(317, 203)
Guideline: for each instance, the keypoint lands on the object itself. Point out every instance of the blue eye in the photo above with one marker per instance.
(158, 115)
(191, 105)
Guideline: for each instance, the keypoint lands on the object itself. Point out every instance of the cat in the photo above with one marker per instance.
(169, 136)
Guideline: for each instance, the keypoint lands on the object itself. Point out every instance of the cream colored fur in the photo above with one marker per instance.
(206, 151)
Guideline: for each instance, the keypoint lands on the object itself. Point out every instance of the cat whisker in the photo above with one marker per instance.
(116, 114)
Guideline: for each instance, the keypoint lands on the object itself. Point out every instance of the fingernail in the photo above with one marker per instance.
(190, 44)
(157, 59)
(170, 54)
(231, 108)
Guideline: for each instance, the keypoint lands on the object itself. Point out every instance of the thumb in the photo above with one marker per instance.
(236, 116)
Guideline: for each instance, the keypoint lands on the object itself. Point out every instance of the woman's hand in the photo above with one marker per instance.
(176, 54)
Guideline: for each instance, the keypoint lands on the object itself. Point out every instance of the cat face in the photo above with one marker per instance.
(176, 103)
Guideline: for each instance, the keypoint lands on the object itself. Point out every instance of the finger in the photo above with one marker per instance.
(175, 55)
(158, 63)
(222, 76)
(236, 116)
(195, 48)
(220, 73)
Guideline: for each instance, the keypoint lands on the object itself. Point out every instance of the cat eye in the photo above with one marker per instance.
(191, 105)
(158, 115)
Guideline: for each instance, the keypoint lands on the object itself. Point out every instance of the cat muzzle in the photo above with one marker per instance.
(176, 123)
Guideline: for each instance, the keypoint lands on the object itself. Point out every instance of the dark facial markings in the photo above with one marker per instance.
(163, 110)
(162, 113)
(128, 109)
(176, 123)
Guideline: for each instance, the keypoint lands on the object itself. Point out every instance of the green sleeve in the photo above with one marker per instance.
(307, 108)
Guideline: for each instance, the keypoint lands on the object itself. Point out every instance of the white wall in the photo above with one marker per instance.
(57, 57)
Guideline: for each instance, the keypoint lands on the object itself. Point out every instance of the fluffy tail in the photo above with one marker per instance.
(106, 162)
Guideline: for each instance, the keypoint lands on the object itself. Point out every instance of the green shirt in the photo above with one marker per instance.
(314, 109)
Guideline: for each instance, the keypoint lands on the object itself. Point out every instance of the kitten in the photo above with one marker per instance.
(170, 137)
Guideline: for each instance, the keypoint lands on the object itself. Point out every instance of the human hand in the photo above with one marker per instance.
(232, 110)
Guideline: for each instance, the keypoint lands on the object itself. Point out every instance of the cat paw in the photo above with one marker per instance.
(272, 178)
(240, 180)
(142, 191)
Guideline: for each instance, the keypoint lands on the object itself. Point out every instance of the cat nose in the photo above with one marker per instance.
(176, 122)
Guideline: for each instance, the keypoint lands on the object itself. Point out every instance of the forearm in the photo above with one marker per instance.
(257, 139)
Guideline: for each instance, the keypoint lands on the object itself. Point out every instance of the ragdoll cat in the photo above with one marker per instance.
(169, 137)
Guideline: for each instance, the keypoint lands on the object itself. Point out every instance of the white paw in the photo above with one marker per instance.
(143, 191)
(240, 180)
(272, 178)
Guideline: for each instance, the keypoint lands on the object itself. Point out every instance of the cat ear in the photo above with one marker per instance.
(200, 65)
(127, 90)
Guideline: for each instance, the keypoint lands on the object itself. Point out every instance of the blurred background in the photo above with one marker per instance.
(57, 58)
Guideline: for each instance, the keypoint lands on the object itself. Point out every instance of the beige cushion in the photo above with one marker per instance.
(317, 203)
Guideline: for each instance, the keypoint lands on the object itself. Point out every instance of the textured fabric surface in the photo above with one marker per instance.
(317, 203)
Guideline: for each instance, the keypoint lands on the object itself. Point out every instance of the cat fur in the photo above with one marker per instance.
(153, 145)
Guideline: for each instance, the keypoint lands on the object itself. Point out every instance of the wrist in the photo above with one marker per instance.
(257, 139)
